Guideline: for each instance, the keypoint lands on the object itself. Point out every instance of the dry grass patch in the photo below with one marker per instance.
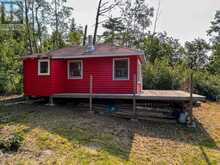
(64, 135)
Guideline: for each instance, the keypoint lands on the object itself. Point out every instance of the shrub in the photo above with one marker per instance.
(11, 142)
(207, 85)
(161, 75)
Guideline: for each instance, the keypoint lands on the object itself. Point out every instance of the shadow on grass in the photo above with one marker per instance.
(111, 135)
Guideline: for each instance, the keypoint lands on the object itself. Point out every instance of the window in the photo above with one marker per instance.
(44, 67)
(75, 69)
(121, 69)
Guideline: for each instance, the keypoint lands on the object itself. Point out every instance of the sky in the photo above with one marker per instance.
(183, 19)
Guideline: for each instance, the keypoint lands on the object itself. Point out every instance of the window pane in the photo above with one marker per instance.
(121, 69)
(44, 67)
(75, 69)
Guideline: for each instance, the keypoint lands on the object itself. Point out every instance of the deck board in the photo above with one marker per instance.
(157, 95)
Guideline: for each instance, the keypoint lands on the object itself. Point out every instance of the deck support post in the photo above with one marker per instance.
(187, 108)
(190, 109)
(134, 97)
(90, 93)
(134, 104)
(51, 103)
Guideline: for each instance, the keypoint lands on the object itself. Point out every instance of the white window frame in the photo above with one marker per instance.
(113, 69)
(39, 70)
(68, 69)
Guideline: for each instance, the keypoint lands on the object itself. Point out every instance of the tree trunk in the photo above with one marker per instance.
(56, 32)
(191, 97)
(28, 28)
(97, 22)
(33, 29)
(38, 29)
(85, 36)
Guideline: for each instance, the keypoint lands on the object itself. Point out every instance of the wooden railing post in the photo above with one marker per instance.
(134, 94)
(191, 99)
(90, 92)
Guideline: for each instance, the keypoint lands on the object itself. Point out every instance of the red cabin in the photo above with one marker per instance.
(114, 70)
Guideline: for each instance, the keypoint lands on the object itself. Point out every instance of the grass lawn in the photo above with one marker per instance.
(65, 135)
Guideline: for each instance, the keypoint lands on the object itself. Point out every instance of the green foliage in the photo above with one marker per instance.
(11, 142)
(214, 30)
(75, 33)
(214, 66)
(160, 45)
(114, 31)
(57, 40)
(75, 38)
(11, 51)
(136, 17)
(160, 75)
(207, 85)
(196, 55)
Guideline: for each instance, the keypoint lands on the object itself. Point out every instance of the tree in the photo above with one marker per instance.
(114, 27)
(214, 66)
(75, 33)
(75, 38)
(136, 17)
(160, 45)
(59, 20)
(196, 58)
(197, 54)
(214, 30)
(27, 25)
(42, 12)
(56, 38)
(37, 15)
(12, 48)
(104, 7)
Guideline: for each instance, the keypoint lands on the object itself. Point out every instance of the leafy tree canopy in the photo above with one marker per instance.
(196, 54)
(214, 30)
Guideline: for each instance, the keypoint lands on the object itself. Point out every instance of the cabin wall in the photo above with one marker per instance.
(35, 85)
(102, 71)
(59, 75)
(57, 82)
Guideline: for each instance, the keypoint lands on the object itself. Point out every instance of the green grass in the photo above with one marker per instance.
(63, 135)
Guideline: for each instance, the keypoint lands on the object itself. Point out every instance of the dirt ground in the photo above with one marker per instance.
(66, 135)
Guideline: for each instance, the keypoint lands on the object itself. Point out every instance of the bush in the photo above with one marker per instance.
(11, 142)
(11, 52)
(162, 76)
(207, 85)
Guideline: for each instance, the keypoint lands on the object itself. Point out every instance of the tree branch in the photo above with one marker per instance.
(156, 18)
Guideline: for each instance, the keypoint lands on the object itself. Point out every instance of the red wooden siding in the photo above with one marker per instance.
(57, 82)
(35, 85)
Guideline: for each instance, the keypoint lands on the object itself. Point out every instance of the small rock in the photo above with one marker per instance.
(1, 153)
(93, 148)
(45, 153)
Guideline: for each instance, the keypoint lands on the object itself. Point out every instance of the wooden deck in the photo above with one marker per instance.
(153, 105)
(154, 95)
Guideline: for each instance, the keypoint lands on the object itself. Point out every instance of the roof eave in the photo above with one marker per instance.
(84, 56)
(93, 56)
